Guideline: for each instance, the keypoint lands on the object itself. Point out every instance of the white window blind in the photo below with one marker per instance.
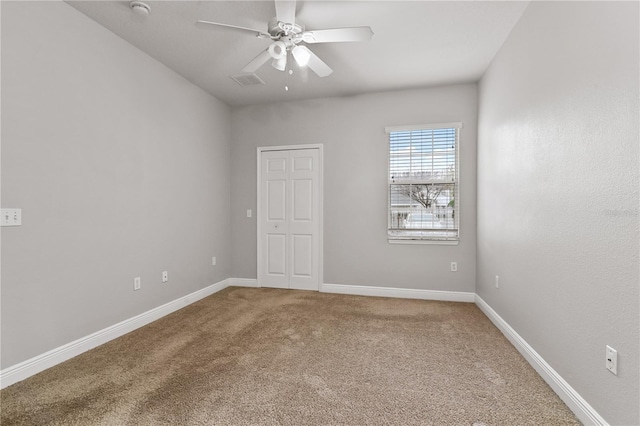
(423, 182)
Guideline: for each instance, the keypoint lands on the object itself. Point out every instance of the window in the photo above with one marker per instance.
(423, 183)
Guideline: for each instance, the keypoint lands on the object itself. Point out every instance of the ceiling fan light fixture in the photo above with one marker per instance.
(280, 64)
(278, 50)
(302, 55)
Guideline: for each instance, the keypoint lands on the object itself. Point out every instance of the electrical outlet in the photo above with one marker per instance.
(137, 283)
(165, 276)
(612, 360)
(497, 281)
(454, 266)
(213, 261)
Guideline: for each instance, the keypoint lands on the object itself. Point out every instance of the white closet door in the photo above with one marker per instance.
(289, 210)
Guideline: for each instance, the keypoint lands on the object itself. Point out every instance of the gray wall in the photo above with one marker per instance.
(121, 168)
(558, 193)
(356, 250)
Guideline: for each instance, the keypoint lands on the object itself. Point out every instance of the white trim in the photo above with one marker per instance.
(433, 242)
(290, 147)
(581, 408)
(320, 148)
(28, 368)
(243, 282)
(405, 293)
(453, 125)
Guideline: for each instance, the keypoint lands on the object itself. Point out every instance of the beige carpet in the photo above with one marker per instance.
(281, 357)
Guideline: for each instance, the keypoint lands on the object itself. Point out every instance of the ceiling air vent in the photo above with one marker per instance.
(247, 79)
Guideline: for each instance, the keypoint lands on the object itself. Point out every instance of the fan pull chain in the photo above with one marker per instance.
(289, 71)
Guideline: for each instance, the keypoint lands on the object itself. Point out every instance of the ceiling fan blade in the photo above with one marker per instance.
(257, 62)
(338, 35)
(316, 64)
(209, 25)
(286, 11)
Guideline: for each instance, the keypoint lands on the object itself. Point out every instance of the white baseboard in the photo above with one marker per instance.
(406, 293)
(243, 282)
(39, 363)
(581, 408)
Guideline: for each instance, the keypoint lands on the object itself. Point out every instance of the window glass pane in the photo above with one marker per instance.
(422, 206)
(423, 154)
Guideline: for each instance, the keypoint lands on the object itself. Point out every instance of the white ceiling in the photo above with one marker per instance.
(415, 43)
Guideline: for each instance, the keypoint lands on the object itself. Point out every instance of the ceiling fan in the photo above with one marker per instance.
(289, 36)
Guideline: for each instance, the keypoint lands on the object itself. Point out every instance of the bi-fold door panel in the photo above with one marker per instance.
(303, 226)
(274, 188)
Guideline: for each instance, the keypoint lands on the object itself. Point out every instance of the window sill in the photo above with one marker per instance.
(427, 242)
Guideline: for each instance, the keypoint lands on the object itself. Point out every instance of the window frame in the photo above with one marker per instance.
(426, 239)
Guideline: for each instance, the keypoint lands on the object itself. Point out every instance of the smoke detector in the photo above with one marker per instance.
(140, 8)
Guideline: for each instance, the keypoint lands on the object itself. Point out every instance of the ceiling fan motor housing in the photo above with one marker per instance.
(279, 29)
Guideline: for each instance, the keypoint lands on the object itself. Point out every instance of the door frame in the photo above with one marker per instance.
(259, 212)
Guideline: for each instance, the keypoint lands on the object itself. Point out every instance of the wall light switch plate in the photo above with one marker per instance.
(165, 276)
(11, 217)
(612, 360)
